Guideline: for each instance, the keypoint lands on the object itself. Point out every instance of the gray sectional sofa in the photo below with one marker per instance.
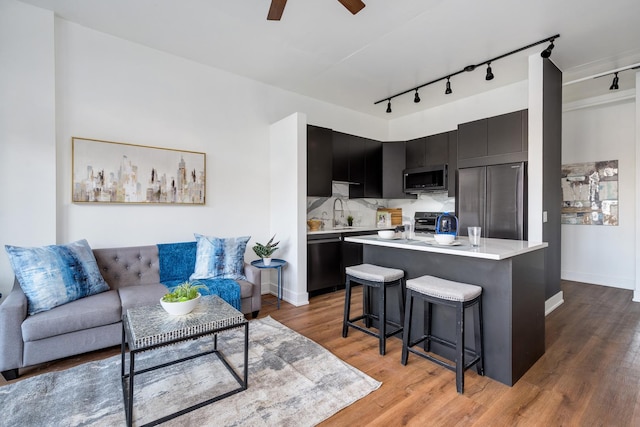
(93, 322)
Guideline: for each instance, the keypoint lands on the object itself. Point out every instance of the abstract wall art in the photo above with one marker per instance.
(590, 193)
(114, 172)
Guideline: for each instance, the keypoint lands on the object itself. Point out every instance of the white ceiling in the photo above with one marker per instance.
(320, 50)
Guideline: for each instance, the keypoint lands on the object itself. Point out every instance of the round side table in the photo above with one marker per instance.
(277, 264)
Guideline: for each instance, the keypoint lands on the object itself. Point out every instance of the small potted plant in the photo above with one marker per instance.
(265, 251)
(350, 221)
(183, 298)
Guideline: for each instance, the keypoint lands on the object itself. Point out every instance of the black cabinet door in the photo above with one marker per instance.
(472, 139)
(505, 134)
(437, 149)
(393, 163)
(415, 153)
(453, 161)
(324, 264)
(341, 156)
(319, 161)
(373, 169)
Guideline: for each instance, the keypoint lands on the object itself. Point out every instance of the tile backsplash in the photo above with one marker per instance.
(363, 211)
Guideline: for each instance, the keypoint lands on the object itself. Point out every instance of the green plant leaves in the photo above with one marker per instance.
(265, 251)
(184, 292)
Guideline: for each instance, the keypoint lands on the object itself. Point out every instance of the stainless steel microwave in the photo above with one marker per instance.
(425, 179)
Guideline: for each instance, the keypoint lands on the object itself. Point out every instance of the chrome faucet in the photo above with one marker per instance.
(341, 210)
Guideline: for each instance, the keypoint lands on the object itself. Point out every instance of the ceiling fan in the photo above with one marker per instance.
(277, 7)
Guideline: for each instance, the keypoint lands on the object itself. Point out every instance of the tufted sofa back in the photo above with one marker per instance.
(129, 266)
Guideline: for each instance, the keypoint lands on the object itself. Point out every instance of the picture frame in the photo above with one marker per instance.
(117, 172)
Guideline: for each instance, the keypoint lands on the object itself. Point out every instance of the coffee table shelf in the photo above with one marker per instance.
(147, 328)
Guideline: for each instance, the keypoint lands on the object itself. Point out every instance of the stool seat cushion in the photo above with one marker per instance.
(444, 289)
(374, 273)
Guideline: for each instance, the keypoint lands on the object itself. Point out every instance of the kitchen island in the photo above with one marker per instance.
(511, 273)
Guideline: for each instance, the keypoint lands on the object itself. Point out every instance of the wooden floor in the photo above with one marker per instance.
(589, 375)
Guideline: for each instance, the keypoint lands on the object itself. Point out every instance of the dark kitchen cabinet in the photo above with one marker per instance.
(358, 161)
(324, 262)
(507, 133)
(319, 161)
(341, 156)
(453, 161)
(437, 149)
(415, 156)
(393, 164)
(495, 140)
(372, 169)
(472, 139)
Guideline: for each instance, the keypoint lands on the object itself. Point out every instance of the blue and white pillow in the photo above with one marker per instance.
(218, 258)
(54, 275)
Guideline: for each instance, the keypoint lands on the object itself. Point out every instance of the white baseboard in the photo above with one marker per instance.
(296, 299)
(554, 302)
(595, 279)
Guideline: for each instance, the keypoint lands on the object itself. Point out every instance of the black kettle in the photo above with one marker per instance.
(447, 224)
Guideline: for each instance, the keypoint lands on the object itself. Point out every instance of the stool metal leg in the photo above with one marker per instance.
(427, 325)
(479, 333)
(406, 333)
(347, 308)
(383, 319)
(460, 348)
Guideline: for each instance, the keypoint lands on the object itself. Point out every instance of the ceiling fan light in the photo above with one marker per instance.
(489, 75)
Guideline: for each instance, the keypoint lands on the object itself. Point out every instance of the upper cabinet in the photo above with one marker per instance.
(319, 161)
(434, 150)
(393, 164)
(499, 139)
(358, 161)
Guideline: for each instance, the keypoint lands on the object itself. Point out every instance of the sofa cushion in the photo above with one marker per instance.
(132, 296)
(57, 274)
(218, 258)
(90, 312)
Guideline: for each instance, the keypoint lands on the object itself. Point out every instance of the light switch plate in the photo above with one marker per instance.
(544, 216)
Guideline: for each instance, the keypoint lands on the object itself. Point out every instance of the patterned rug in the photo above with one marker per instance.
(292, 382)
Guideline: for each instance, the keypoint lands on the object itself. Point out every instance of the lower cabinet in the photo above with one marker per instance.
(327, 257)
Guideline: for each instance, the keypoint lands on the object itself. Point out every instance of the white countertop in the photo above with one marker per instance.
(347, 230)
(495, 249)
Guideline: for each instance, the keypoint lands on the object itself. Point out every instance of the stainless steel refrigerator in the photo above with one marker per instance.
(495, 198)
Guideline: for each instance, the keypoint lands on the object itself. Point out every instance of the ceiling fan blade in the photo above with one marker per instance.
(276, 9)
(354, 6)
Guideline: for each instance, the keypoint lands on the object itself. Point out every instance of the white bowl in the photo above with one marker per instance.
(444, 239)
(180, 308)
(386, 234)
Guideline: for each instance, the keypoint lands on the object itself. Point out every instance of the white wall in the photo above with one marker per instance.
(446, 117)
(288, 190)
(27, 130)
(111, 89)
(603, 255)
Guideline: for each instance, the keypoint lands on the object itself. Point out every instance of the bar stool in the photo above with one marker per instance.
(434, 290)
(373, 276)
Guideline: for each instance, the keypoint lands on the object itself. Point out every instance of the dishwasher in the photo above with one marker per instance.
(324, 262)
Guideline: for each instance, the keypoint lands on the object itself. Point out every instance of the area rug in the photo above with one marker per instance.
(292, 382)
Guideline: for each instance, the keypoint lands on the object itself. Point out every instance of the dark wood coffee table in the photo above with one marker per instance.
(150, 327)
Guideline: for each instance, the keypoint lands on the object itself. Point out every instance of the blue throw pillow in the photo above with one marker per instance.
(54, 275)
(218, 258)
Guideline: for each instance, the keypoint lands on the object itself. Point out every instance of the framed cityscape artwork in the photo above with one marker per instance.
(114, 172)
(590, 193)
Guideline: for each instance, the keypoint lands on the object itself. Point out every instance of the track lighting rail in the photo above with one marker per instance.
(545, 54)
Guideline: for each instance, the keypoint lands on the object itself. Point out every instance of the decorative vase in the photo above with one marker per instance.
(266, 261)
(180, 308)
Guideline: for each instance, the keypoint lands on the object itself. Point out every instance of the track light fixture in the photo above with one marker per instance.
(547, 52)
(489, 75)
(469, 68)
(614, 84)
